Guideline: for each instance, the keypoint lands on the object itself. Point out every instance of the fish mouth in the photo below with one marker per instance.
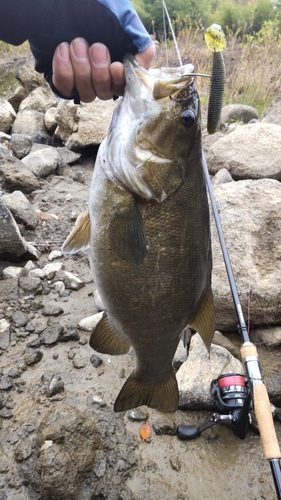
(157, 83)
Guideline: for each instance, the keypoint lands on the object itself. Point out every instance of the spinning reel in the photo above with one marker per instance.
(232, 396)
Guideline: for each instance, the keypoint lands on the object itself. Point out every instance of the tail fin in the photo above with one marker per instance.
(163, 395)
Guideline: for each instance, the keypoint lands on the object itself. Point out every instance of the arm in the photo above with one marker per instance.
(78, 44)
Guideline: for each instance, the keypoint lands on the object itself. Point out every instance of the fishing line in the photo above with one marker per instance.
(173, 33)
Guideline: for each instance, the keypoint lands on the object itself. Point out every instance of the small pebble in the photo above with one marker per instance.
(55, 254)
(95, 360)
(175, 463)
(32, 358)
(137, 415)
(5, 413)
(79, 362)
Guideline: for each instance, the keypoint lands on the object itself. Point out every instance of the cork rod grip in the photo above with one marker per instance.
(265, 422)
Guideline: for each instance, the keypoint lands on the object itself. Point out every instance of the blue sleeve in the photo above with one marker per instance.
(129, 22)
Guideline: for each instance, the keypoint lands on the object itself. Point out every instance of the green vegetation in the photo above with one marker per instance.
(253, 52)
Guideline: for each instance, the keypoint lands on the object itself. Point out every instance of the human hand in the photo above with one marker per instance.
(89, 70)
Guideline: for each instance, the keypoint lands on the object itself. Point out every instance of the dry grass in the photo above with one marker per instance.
(253, 67)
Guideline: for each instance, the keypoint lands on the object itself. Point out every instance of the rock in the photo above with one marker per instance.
(250, 212)
(95, 360)
(165, 427)
(81, 126)
(4, 334)
(69, 334)
(6, 413)
(67, 156)
(223, 341)
(5, 383)
(43, 162)
(89, 323)
(29, 284)
(70, 280)
(14, 372)
(36, 273)
(236, 153)
(221, 177)
(268, 336)
(55, 386)
(11, 241)
(63, 466)
(238, 112)
(21, 209)
(137, 415)
(24, 449)
(79, 362)
(272, 114)
(19, 318)
(14, 272)
(180, 356)
(51, 334)
(95, 401)
(52, 309)
(18, 177)
(59, 287)
(50, 121)
(29, 122)
(195, 375)
(7, 116)
(55, 254)
(273, 383)
(32, 358)
(21, 144)
(40, 99)
(51, 269)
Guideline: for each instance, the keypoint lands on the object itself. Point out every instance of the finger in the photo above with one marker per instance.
(63, 76)
(101, 77)
(118, 78)
(80, 59)
(146, 57)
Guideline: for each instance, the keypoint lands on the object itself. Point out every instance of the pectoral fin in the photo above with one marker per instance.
(104, 339)
(79, 238)
(204, 323)
(126, 230)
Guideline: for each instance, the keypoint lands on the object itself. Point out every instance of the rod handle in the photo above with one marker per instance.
(248, 349)
(265, 422)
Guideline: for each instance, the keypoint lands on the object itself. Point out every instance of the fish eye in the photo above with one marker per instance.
(188, 118)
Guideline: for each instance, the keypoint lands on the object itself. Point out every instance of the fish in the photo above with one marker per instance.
(149, 232)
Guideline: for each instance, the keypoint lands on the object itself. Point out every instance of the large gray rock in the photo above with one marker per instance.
(238, 112)
(40, 99)
(252, 151)
(7, 116)
(69, 448)
(81, 126)
(273, 113)
(195, 375)
(17, 176)
(21, 144)
(250, 213)
(21, 208)
(42, 162)
(29, 121)
(11, 242)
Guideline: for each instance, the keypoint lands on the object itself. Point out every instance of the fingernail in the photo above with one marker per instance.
(80, 49)
(64, 51)
(99, 55)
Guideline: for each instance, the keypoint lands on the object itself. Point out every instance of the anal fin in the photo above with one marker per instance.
(162, 395)
(204, 323)
(104, 339)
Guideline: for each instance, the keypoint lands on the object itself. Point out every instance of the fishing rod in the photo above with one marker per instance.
(233, 392)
